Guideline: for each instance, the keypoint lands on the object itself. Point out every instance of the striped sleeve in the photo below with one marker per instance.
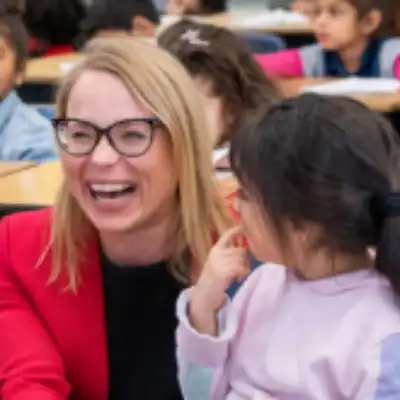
(381, 372)
(202, 358)
(388, 387)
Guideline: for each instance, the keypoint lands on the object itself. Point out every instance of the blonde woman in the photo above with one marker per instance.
(88, 289)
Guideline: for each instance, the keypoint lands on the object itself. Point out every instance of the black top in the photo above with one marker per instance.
(141, 323)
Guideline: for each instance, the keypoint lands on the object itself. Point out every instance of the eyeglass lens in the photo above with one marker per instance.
(127, 137)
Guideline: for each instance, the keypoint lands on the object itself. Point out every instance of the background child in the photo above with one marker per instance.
(318, 176)
(24, 134)
(352, 40)
(138, 18)
(182, 7)
(53, 25)
(223, 67)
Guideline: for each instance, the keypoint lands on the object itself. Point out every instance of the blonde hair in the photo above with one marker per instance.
(161, 84)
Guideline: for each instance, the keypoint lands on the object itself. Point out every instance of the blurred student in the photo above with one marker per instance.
(135, 17)
(53, 25)
(319, 185)
(353, 39)
(24, 134)
(231, 83)
(185, 7)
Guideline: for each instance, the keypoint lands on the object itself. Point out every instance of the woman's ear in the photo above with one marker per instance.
(371, 22)
(141, 26)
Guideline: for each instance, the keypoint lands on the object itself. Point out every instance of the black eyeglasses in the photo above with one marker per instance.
(129, 137)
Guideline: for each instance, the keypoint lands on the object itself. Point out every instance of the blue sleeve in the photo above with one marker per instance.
(388, 385)
(29, 137)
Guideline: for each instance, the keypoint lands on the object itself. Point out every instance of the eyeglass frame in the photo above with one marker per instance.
(152, 122)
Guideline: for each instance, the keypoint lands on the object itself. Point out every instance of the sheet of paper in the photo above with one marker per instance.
(67, 67)
(356, 86)
(270, 18)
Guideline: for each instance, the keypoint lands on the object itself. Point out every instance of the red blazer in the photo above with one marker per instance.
(50, 340)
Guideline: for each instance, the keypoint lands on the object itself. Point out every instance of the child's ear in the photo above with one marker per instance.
(141, 26)
(371, 22)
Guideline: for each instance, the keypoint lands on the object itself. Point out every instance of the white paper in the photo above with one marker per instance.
(219, 153)
(356, 86)
(67, 67)
(270, 18)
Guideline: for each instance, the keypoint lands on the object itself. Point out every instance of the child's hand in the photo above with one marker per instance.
(227, 262)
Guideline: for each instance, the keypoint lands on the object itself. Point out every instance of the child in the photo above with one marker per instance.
(229, 80)
(138, 18)
(24, 134)
(54, 26)
(185, 7)
(352, 40)
(318, 180)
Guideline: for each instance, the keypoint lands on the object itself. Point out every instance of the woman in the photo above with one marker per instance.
(88, 289)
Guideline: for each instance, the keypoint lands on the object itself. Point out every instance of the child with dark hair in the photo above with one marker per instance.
(135, 17)
(354, 38)
(230, 82)
(53, 25)
(320, 183)
(185, 7)
(24, 134)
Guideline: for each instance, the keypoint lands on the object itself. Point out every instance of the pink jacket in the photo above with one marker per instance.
(308, 61)
(284, 338)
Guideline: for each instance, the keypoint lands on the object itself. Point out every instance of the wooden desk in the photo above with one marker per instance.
(9, 168)
(231, 20)
(227, 186)
(48, 70)
(382, 102)
(34, 186)
(38, 186)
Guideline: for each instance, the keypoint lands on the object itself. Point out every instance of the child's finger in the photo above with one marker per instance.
(229, 237)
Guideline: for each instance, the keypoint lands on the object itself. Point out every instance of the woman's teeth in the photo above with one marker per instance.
(111, 190)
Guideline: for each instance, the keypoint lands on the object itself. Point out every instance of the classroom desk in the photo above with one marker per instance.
(382, 102)
(240, 20)
(231, 20)
(48, 70)
(227, 185)
(9, 168)
(36, 186)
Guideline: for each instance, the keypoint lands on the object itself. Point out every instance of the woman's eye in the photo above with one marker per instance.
(134, 135)
(80, 135)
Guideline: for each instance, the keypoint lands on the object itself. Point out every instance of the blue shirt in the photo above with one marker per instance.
(24, 134)
(369, 65)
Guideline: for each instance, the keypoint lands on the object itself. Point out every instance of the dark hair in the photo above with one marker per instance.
(387, 9)
(225, 61)
(207, 7)
(16, 7)
(117, 15)
(325, 160)
(13, 30)
(55, 22)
